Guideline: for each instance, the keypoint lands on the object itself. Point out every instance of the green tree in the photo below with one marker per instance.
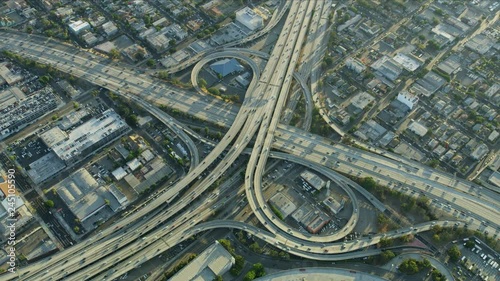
(202, 83)
(49, 204)
(217, 278)
(409, 266)
(249, 276)
(328, 60)
(368, 183)
(259, 269)
(454, 253)
(255, 248)
(385, 242)
(151, 63)
(214, 91)
(114, 54)
(44, 79)
(132, 120)
(387, 256)
(76, 229)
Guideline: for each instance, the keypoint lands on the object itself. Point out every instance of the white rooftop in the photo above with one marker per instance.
(133, 164)
(88, 134)
(119, 173)
(407, 62)
(53, 136)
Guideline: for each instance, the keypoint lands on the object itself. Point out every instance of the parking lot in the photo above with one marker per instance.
(479, 261)
(30, 151)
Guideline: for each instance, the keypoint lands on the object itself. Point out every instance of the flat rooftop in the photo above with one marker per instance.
(89, 133)
(215, 260)
(313, 180)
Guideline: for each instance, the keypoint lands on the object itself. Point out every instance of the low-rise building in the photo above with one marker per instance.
(428, 85)
(78, 27)
(8, 76)
(418, 129)
(479, 152)
(388, 68)
(283, 204)
(407, 99)
(109, 28)
(480, 44)
(85, 197)
(225, 67)
(213, 262)
(89, 38)
(360, 102)
(407, 62)
(249, 18)
(313, 180)
(334, 205)
(84, 140)
(355, 65)
(450, 65)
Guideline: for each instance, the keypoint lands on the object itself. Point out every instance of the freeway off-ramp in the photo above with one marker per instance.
(260, 113)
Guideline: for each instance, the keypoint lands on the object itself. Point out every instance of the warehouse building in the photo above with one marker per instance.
(84, 197)
(226, 66)
(249, 18)
(334, 205)
(313, 220)
(87, 138)
(283, 204)
(313, 180)
(213, 262)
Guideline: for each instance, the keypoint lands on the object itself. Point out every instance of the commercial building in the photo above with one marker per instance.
(334, 205)
(213, 262)
(119, 173)
(74, 118)
(407, 62)
(418, 129)
(84, 196)
(387, 67)
(309, 218)
(226, 66)
(428, 85)
(480, 44)
(313, 180)
(89, 38)
(494, 178)
(371, 130)
(68, 88)
(45, 167)
(355, 65)
(90, 136)
(360, 102)
(450, 65)
(78, 27)
(249, 18)
(479, 152)
(10, 96)
(8, 76)
(53, 136)
(109, 28)
(407, 99)
(283, 204)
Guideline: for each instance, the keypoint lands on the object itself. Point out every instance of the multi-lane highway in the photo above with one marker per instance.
(158, 226)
